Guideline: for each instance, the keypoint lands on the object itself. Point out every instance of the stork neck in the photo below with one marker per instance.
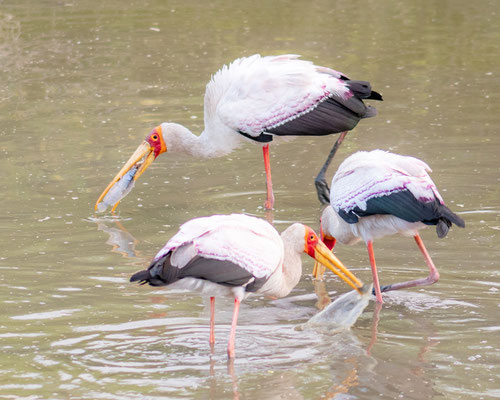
(292, 263)
(179, 139)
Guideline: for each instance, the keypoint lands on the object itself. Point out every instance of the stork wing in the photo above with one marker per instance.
(164, 271)
(257, 94)
(249, 242)
(383, 181)
(401, 204)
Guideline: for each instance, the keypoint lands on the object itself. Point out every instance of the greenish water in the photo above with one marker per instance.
(82, 83)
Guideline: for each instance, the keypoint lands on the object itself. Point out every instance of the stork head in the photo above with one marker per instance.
(143, 156)
(156, 142)
(318, 250)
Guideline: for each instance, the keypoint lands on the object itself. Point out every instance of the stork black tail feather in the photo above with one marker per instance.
(375, 96)
(159, 273)
(363, 90)
(142, 277)
(446, 219)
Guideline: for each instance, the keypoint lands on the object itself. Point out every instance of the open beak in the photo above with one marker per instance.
(324, 256)
(319, 269)
(144, 150)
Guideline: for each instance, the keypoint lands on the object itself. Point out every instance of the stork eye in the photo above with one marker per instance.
(154, 137)
(311, 237)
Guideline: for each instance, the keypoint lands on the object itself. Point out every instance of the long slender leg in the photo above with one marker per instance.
(267, 165)
(429, 280)
(321, 186)
(232, 335)
(212, 320)
(376, 284)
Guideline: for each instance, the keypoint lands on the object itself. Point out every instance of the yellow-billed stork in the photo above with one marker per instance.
(235, 255)
(256, 99)
(378, 193)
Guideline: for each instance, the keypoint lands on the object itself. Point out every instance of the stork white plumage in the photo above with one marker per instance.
(257, 99)
(376, 194)
(234, 255)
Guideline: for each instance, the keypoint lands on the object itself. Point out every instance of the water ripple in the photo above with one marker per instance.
(46, 315)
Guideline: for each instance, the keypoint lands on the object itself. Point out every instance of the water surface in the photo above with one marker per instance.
(81, 84)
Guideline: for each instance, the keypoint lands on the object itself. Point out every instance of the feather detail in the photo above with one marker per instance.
(220, 237)
(378, 193)
(258, 94)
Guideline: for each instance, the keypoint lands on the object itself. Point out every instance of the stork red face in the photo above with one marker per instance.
(155, 140)
(142, 157)
(319, 270)
(322, 254)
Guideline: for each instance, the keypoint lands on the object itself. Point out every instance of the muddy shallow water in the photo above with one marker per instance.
(82, 83)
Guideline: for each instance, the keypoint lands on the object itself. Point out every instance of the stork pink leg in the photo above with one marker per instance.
(267, 165)
(429, 280)
(212, 320)
(376, 284)
(232, 334)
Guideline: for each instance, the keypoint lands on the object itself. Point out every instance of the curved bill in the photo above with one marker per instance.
(324, 256)
(144, 150)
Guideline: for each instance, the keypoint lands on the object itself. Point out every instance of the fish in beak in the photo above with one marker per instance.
(142, 158)
(323, 255)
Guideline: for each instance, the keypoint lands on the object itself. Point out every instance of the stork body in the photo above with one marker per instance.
(376, 194)
(235, 255)
(257, 99)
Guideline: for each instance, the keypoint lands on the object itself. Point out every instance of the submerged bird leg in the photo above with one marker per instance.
(267, 165)
(429, 280)
(212, 320)
(321, 186)
(374, 333)
(376, 284)
(232, 334)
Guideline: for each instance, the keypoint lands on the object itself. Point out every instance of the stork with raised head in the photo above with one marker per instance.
(376, 194)
(256, 99)
(235, 255)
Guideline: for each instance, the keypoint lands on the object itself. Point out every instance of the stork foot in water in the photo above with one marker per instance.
(384, 288)
(433, 276)
(322, 188)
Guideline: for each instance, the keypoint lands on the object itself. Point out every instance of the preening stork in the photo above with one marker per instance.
(377, 193)
(234, 255)
(257, 99)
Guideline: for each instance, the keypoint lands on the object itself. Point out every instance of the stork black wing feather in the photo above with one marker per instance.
(333, 115)
(224, 273)
(161, 273)
(404, 205)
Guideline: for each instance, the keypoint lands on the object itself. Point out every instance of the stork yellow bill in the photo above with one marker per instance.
(124, 181)
(325, 258)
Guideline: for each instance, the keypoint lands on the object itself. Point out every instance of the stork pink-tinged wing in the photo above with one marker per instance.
(247, 241)
(367, 175)
(256, 94)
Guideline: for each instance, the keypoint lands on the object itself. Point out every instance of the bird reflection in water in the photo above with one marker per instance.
(121, 240)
